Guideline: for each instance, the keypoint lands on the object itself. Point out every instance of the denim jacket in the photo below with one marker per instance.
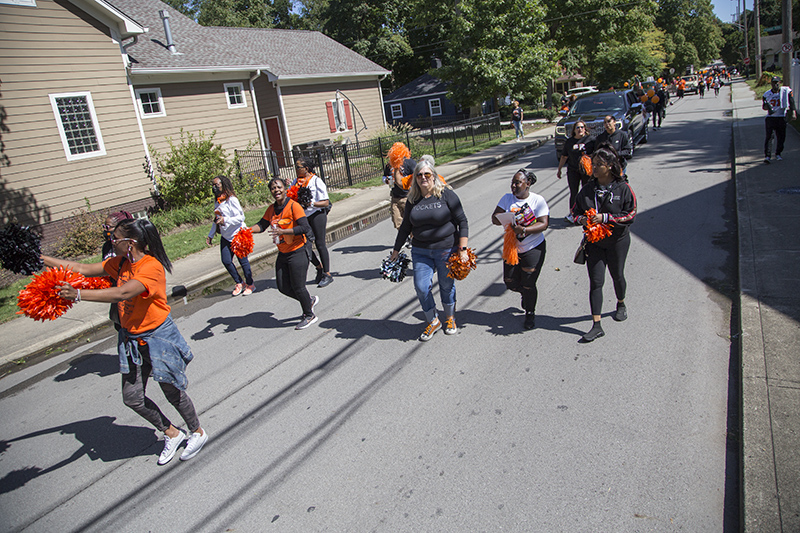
(169, 353)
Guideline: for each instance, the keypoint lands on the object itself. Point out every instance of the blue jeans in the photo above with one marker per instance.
(227, 260)
(518, 128)
(426, 262)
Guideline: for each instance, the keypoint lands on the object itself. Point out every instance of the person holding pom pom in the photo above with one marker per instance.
(317, 214)
(439, 226)
(228, 220)
(614, 204)
(149, 343)
(525, 247)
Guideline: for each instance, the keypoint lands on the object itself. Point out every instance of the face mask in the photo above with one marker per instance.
(216, 190)
(107, 235)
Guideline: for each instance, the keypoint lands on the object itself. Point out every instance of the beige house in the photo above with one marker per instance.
(89, 85)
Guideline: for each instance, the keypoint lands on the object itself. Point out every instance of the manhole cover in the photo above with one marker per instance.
(789, 190)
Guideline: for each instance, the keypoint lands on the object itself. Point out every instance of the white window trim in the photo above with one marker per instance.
(23, 3)
(399, 108)
(240, 85)
(430, 106)
(95, 124)
(162, 113)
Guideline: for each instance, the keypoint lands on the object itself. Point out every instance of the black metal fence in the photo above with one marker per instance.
(343, 165)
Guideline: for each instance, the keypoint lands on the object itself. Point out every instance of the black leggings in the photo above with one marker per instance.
(319, 226)
(134, 385)
(778, 126)
(575, 179)
(597, 259)
(290, 275)
(523, 282)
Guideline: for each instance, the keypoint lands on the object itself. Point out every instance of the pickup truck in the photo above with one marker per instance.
(692, 84)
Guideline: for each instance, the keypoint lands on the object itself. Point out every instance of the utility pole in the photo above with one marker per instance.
(786, 37)
(758, 39)
(746, 44)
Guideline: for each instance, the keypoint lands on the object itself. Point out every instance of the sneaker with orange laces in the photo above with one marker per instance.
(237, 290)
(248, 290)
(432, 328)
(450, 326)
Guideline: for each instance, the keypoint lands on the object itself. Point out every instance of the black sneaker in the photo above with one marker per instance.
(326, 280)
(621, 314)
(595, 333)
(307, 321)
(320, 275)
(530, 320)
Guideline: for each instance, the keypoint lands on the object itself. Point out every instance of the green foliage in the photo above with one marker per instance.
(694, 35)
(184, 173)
(166, 221)
(84, 234)
(614, 64)
(497, 48)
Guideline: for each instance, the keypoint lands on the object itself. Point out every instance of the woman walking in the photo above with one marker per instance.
(531, 217)
(288, 225)
(574, 149)
(516, 120)
(615, 205)
(317, 214)
(228, 220)
(149, 343)
(439, 226)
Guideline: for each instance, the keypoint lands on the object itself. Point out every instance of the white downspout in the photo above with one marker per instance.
(255, 110)
(141, 133)
(288, 146)
(383, 106)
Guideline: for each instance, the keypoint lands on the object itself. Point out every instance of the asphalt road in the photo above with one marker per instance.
(355, 425)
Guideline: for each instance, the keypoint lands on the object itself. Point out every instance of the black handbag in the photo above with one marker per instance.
(580, 253)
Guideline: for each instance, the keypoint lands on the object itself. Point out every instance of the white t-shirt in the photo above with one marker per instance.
(778, 100)
(538, 208)
(319, 192)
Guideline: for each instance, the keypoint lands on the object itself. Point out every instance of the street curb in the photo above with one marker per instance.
(339, 230)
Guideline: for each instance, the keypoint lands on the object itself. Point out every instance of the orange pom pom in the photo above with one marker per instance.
(510, 254)
(398, 153)
(586, 164)
(595, 232)
(458, 268)
(101, 282)
(242, 243)
(40, 298)
(292, 192)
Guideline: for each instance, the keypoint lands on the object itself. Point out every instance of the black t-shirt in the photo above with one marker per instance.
(435, 222)
(574, 149)
(516, 114)
(406, 169)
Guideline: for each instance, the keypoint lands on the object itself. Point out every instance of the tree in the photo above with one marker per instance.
(618, 63)
(695, 32)
(496, 48)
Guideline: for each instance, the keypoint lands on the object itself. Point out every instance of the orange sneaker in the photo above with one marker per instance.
(237, 290)
(248, 289)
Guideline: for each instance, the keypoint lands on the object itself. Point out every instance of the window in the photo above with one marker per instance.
(397, 110)
(25, 3)
(77, 125)
(150, 103)
(235, 95)
(435, 106)
(339, 116)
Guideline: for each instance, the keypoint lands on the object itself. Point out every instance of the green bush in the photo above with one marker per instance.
(166, 221)
(551, 115)
(184, 173)
(84, 235)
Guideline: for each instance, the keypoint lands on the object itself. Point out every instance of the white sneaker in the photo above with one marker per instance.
(314, 302)
(569, 218)
(170, 447)
(778, 158)
(194, 444)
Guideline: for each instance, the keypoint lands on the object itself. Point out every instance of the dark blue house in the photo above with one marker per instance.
(425, 100)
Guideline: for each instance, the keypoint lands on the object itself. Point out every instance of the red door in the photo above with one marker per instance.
(272, 132)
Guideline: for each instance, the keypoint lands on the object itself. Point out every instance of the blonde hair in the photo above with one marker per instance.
(414, 193)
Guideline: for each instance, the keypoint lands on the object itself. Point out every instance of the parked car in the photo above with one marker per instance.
(692, 84)
(592, 108)
(580, 91)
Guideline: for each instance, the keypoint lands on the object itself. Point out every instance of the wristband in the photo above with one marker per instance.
(78, 297)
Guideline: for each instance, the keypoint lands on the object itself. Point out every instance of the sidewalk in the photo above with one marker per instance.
(768, 202)
(23, 337)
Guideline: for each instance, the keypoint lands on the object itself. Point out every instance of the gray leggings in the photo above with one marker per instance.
(134, 384)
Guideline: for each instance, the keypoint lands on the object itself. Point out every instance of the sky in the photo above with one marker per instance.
(726, 9)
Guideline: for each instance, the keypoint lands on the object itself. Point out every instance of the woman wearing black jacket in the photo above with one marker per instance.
(613, 199)
(571, 154)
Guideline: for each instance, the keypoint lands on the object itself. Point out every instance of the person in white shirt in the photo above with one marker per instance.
(317, 214)
(228, 220)
(779, 105)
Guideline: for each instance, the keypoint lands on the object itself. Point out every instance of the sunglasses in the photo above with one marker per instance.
(426, 174)
(115, 241)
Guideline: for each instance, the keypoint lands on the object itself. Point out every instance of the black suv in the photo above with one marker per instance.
(625, 106)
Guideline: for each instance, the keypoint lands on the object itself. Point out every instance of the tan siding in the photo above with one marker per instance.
(49, 50)
(307, 116)
(201, 106)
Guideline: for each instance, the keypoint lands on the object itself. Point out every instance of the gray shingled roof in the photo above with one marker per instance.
(284, 53)
(425, 85)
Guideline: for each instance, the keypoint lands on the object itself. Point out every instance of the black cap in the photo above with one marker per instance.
(776, 78)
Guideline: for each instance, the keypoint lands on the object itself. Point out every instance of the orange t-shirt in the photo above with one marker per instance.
(286, 219)
(148, 310)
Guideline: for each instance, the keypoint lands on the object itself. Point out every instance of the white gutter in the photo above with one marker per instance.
(333, 75)
(192, 70)
(283, 118)
(255, 110)
(383, 107)
(141, 131)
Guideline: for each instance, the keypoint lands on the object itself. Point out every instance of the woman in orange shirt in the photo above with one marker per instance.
(148, 343)
(287, 223)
